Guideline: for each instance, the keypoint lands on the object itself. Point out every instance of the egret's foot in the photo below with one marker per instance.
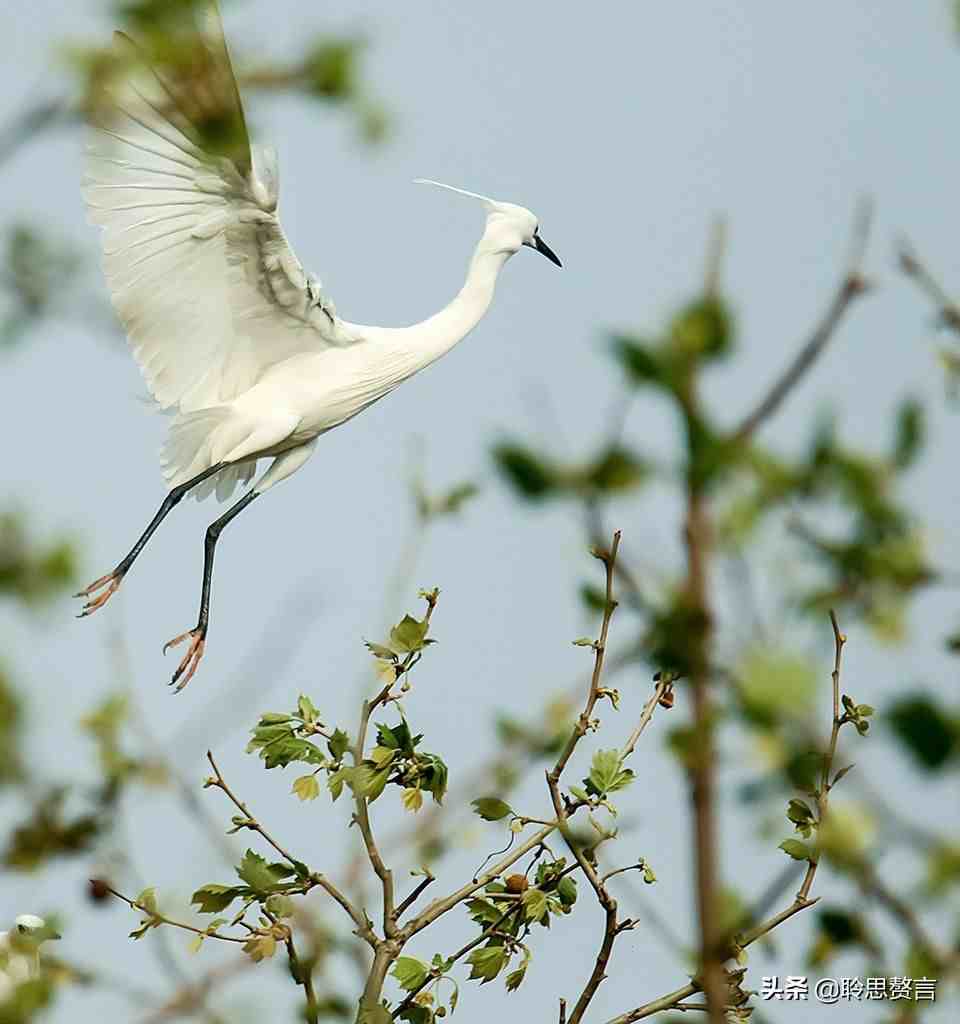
(108, 584)
(191, 659)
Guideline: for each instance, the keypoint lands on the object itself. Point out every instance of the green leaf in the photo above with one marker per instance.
(433, 775)
(607, 773)
(307, 711)
(925, 729)
(211, 899)
(274, 718)
(280, 905)
(336, 780)
(487, 962)
(412, 799)
(369, 781)
(408, 635)
(795, 849)
(483, 911)
(530, 475)
(799, 812)
(397, 737)
(380, 651)
(382, 756)
(567, 890)
(260, 947)
(703, 328)
(642, 363)
(583, 641)
(648, 874)
(416, 1014)
(775, 684)
(260, 875)
(306, 787)
(491, 808)
(515, 978)
(910, 431)
(147, 900)
(410, 972)
(534, 904)
(338, 744)
(616, 469)
(280, 747)
(840, 925)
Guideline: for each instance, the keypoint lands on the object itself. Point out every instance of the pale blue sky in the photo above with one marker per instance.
(626, 128)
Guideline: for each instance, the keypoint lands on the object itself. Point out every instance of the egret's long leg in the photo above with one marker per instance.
(198, 634)
(110, 583)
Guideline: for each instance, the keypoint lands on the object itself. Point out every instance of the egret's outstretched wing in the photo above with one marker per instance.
(200, 272)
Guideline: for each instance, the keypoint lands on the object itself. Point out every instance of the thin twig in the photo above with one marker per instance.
(663, 685)
(609, 559)
(412, 898)
(357, 914)
(159, 918)
(612, 925)
(873, 886)
(917, 271)
(716, 251)
(839, 639)
(852, 286)
(303, 975)
(388, 949)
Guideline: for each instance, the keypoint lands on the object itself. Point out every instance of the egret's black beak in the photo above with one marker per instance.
(541, 246)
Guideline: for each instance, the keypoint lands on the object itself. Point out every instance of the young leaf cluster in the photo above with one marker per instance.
(395, 760)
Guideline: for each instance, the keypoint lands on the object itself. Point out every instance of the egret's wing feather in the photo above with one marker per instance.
(199, 269)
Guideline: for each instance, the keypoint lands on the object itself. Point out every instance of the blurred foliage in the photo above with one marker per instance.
(929, 733)
(50, 831)
(11, 722)
(29, 572)
(37, 272)
(329, 70)
(537, 477)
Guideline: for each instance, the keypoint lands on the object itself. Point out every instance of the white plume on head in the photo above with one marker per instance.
(486, 200)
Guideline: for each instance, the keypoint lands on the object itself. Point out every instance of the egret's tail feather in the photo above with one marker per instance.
(198, 440)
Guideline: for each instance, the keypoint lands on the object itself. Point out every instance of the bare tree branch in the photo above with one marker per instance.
(851, 287)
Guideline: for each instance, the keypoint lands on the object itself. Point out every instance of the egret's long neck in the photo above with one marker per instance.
(428, 340)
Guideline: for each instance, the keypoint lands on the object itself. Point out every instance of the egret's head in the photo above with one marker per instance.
(509, 227)
(30, 930)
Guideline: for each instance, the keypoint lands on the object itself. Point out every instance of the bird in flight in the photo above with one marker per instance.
(233, 337)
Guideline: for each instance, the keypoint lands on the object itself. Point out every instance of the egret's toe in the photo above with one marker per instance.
(191, 659)
(109, 585)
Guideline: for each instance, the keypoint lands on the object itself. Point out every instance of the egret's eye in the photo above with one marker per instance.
(21, 928)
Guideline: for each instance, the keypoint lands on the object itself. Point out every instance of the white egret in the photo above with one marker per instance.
(20, 952)
(232, 336)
